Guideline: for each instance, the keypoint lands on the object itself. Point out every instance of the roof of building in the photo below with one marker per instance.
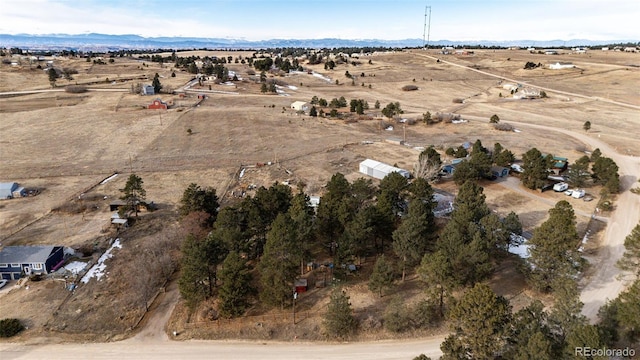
(8, 186)
(388, 169)
(25, 254)
(299, 103)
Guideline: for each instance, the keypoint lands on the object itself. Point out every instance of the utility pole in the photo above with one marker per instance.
(427, 29)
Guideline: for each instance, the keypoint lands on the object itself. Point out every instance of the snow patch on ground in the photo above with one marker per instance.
(293, 87)
(521, 250)
(98, 270)
(75, 267)
(108, 179)
(321, 76)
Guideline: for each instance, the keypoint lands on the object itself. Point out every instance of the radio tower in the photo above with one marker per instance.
(427, 29)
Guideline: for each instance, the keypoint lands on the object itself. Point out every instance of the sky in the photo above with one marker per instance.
(456, 20)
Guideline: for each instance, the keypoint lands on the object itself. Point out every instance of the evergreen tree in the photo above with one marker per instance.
(578, 173)
(196, 198)
(605, 172)
(436, 272)
(193, 280)
(412, 239)
(339, 322)
(236, 286)
(479, 322)
(301, 214)
(554, 247)
(157, 86)
(530, 336)
(313, 112)
(382, 276)
(133, 193)
(53, 76)
(494, 119)
(278, 266)
(536, 169)
(630, 260)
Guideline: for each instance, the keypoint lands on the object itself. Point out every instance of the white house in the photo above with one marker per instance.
(299, 106)
(561, 65)
(11, 190)
(527, 93)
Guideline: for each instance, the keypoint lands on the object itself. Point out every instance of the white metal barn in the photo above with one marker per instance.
(299, 106)
(379, 170)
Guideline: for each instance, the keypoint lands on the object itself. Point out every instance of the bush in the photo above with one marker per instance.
(397, 318)
(409, 88)
(458, 101)
(503, 127)
(76, 89)
(10, 327)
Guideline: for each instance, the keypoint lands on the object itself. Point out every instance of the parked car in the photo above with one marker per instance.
(568, 192)
(3, 283)
(577, 194)
(560, 187)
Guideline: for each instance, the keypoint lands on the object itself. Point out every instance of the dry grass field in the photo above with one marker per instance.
(65, 144)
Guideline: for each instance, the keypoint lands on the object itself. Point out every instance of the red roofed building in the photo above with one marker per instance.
(157, 104)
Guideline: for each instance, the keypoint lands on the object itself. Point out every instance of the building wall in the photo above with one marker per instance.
(55, 258)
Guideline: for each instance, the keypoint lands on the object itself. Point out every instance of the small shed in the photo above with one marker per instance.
(499, 171)
(299, 106)
(157, 104)
(301, 285)
(116, 204)
(148, 90)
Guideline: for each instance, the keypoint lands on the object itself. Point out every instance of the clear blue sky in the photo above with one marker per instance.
(313, 19)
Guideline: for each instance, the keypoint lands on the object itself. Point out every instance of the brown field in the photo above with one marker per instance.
(65, 144)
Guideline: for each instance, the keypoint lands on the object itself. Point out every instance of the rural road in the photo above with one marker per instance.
(152, 343)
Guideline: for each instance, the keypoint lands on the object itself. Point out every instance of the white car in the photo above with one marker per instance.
(3, 283)
(568, 192)
(578, 194)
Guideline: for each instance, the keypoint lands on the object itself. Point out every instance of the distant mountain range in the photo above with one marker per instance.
(104, 42)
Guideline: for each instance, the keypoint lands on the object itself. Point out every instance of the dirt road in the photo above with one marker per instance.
(172, 350)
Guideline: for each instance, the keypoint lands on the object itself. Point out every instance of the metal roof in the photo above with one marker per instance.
(8, 186)
(25, 254)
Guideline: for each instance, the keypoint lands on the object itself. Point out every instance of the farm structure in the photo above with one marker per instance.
(16, 261)
(379, 170)
(11, 190)
(299, 106)
(158, 104)
(148, 90)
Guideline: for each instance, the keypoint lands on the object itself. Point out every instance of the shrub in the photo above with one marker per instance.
(76, 89)
(458, 101)
(397, 317)
(409, 88)
(10, 327)
(503, 127)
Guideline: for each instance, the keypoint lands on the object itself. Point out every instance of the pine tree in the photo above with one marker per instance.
(436, 272)
(631, 258)
(479, 322)
(193, 281)
(236, 286)
(412, 239)
(536, 169)
(196, 198)
(554, 247)
(53, 76)
(382, 276)
(339, 322)
(279, 264)
(133, 193)
(157, 86)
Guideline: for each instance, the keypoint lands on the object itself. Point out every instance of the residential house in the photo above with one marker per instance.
(561, 65)
(18, 261)
(499, 171)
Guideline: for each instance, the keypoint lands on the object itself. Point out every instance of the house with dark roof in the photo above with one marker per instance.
(18, 261)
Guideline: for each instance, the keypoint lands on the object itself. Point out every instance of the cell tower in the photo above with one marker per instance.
(427, 28)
